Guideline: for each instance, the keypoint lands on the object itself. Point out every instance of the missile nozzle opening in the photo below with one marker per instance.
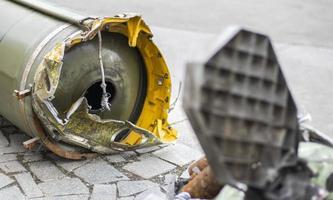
(67, 95)
(94, 94)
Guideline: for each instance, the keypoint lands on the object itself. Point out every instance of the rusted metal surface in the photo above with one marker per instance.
(203, 185)
(22, 94)
(196, 167)
(55, 148)
(32, 143)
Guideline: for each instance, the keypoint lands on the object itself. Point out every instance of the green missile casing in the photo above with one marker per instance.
(50, 80)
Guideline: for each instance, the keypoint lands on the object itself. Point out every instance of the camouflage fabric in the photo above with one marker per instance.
(320, 160)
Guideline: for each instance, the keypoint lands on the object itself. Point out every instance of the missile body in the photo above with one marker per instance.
(52, 69)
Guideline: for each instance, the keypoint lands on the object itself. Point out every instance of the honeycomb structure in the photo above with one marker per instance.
(242, 111)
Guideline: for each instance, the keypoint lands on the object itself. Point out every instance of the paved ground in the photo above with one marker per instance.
(41, 175)
(301, 30)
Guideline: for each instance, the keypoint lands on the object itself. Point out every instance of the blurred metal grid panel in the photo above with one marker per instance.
(241, 109)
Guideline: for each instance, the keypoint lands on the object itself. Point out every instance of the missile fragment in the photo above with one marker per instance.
(82, 84)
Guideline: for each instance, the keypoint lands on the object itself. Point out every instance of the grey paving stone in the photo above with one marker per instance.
(169, 185)
(66, 197)
(45, 170)
(128, 188)
(104, 192)
(28, 185)
(13, 149)
(18, 138)
(149, 167)
(5, 180)
(12, 166)
(65, 186)
(178, 154)
(11, 193)
(152, 194)
(7, 157)
(126, 198)
(70, 165)
(3, 140)
(32, 157)
(16, 143)
(115, 158)
(164, 145)
(147, 150)
(187, 135)
(185, 174)
(99, 171)
(128, 155)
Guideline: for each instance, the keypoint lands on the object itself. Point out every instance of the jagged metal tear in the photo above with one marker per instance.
(79, 127)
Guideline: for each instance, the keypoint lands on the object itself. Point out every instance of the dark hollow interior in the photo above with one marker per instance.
(94, 94)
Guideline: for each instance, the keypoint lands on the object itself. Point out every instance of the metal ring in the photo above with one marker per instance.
(29, 66)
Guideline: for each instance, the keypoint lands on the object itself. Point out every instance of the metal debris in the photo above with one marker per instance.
(57, 68)
(243, 113)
